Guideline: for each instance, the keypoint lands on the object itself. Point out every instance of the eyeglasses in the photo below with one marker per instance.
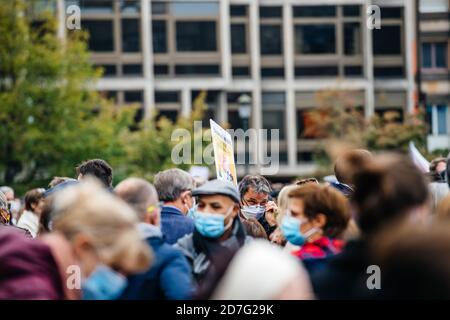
(305, 181)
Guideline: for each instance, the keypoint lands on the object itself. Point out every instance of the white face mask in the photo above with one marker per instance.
(253, 211)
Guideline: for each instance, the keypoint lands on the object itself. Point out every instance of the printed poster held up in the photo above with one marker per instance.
(223, 153)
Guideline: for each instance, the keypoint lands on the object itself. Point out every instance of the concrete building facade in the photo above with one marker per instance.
(280, 52)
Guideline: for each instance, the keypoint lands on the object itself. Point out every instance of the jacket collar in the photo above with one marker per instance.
(147, 230)
(171, 210)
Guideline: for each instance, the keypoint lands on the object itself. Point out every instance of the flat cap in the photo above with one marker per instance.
(216, 186)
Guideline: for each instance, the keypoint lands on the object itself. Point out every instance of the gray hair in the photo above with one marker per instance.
(6, 189)
(3, 201)
(171, 183)
(138, 193)
(256, 182)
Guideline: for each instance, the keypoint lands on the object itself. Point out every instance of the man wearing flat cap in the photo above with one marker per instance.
(218, 232)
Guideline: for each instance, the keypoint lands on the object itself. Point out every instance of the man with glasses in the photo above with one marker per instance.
(170, 275)
(174, 187)
(256, 202)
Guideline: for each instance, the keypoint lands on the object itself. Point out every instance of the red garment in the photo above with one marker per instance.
(27, 269)
(321, 248)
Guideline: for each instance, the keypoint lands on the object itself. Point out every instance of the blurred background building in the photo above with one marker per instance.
(278, 53)
(434, 32)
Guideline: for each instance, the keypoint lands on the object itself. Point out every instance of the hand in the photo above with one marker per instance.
(277, 237)
(271, 213)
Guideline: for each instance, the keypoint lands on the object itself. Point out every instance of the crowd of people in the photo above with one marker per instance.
(379, 230)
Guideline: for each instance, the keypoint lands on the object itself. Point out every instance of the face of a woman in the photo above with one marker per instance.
(296, 207)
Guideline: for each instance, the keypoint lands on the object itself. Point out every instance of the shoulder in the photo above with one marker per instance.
(186, 245)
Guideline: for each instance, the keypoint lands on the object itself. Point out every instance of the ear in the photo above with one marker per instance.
(236, 210)
(320, 220)
(81, 245)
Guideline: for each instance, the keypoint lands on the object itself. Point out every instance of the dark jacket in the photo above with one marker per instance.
(201, 251)
(174, 224)
(345, 276)
(169, 276)
(27, 269)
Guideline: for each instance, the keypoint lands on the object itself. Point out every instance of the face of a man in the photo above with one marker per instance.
(253, 198)
(218, 204)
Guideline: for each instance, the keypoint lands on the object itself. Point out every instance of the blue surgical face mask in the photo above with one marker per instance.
(211, 225)
(290, 227)
(191, 211)
(103, 284)
(253, 211)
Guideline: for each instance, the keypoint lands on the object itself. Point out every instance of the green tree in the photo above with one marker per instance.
(51, 119)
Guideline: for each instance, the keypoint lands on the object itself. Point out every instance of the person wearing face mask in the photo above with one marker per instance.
(169, 278)
(390, 191)
(255, 202)
(94, 245)
(218, 230)
(174, 187)
(316, 216)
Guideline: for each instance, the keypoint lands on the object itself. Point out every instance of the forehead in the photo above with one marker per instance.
(295, 204)
(216, 198)
(252, 194)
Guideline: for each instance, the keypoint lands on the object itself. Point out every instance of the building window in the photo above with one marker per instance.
(93, 6)
(315, 39)
(327, 39)
(270, 12)
(132, 69)
(241, 72)
(159, 36)
(274, 105)
(271, 40)
(430, 6)
(167, 97)
(437, 118)
(131, 35)
(133, 96)
(127, 6)
(387, 41)
(194, 36)
(194, 9)
(352, 38)
(238, 38)
(201, 69)
(100, 35)
(109, 70)
(238, 11)
(434, 55)
(442, 119)
(314, 11)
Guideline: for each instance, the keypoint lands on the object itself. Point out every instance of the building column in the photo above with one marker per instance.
(61, 12)
(410, 49)
(147, 54)
(222, 108)
(256, 149)
(225, 40)
(288, 40)
(186, 102)
(369, 92)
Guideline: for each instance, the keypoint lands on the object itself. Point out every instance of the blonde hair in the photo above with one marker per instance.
(283, 201)
(89, 209)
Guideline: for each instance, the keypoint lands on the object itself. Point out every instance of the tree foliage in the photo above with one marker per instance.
(51, 119)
